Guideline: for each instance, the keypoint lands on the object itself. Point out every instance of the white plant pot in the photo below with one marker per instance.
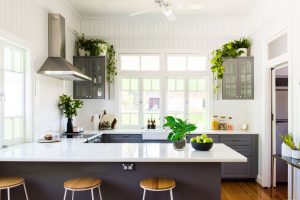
(103, 48)
(82, 52)
(296, 154)
(245, 52)
(286, 150)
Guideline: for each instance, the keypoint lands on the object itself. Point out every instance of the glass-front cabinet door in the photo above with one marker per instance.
(230, 79)
(246, 81)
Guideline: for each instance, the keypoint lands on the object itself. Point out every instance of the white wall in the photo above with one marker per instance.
(136, 35)
(262, 26)
(26, 22)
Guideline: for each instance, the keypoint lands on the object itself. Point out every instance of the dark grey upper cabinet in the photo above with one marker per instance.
(94, 67)
(238, 80)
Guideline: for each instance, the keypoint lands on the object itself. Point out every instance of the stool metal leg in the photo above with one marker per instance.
(171, 194)
(72, 194)
(100, 196)
(144, 195)
(92, 192)
(65, 195)
(8, 194)
(25, 191)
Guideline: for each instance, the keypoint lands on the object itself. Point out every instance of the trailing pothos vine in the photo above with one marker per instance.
(231, 49)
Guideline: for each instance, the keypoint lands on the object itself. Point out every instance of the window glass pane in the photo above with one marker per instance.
(129, 101)
(125, 118)
(134, 119)
(193, 84)
(134, 84)
(147, 84)
(197, 101)
(171, 84)
(125, 84)
(7, 58)
(196, 63)
(130, 62)
(199, 119)
(8, 129)
(155, 84)
(151, 101)
(18, 127)
(179, 84)
(17, 61)
(175, 101)
(14, 94)
(201, 84)
(176, 63)
(150, 63)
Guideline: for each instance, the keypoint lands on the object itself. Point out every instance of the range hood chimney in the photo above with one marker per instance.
(56, 65)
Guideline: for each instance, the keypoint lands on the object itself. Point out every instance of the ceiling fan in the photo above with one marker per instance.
(166, 7)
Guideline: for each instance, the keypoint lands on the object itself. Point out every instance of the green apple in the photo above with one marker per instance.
(198, 140)
(206, 140)
(203, 136)
(193, 139)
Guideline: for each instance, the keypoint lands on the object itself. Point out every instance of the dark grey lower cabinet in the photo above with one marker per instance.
(122, 138)
(246, 145)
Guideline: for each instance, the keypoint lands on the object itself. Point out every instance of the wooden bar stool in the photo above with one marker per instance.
(6, 183)
(158, 185)
(83, 184)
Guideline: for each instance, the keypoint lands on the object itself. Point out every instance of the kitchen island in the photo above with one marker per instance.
(46, 166)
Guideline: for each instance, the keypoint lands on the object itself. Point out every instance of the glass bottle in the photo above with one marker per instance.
(148, 124)
(215, 123)
(229, 124)
(222, 123)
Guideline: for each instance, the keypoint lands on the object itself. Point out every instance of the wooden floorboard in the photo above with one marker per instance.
(237, 190)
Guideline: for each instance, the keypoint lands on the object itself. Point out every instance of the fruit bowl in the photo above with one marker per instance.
(202, 146)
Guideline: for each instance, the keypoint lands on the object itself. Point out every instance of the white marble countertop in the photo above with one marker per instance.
(74, 150)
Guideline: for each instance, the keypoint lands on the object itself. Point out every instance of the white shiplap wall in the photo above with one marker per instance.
(25, 22)
(157, 33)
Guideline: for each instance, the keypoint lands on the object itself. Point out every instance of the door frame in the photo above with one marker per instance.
(273, 118)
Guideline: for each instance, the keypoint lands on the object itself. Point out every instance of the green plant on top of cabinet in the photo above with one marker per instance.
(238, 78)
(94, 67)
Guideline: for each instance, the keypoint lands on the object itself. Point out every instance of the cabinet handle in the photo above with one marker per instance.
(95, 80)
(235, 140)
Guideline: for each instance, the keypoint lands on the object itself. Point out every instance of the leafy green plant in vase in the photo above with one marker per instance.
(69, 106)
(179, 129)
(81, 44)
(242, 45)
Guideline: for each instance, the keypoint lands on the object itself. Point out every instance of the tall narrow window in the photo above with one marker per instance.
(176, 98)
(129, 98)
(14, 94)
(151, 100)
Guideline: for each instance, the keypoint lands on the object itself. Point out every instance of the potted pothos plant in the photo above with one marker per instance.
(231, 49)
(179, 129)
(69, 106)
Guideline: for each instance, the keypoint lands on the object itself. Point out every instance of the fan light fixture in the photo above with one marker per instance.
(169, 14)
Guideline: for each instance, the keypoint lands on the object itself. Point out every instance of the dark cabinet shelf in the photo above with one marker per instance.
(94, 67)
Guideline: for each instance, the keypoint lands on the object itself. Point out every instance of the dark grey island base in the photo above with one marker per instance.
(44, 180)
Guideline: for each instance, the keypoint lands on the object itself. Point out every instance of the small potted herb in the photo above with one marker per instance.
(69, 107)
(179, 129)
(81, 44)
(288, 147)
(242, 46)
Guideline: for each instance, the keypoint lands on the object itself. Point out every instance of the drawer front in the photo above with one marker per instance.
(215, 137)
(125, 138)
(244, 150)
(235, 140)
(237, 170)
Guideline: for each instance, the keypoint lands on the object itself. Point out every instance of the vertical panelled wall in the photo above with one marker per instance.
(158, 33)
(25, 22)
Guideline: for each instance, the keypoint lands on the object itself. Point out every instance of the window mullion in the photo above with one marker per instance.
(141, 103)
(186, 100)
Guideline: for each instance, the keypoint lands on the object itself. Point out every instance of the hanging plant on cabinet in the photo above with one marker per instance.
(228, 50)
(98, 47)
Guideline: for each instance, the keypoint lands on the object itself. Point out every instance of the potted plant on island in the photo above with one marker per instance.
(179, 129)
(288, 147)
(69, 107)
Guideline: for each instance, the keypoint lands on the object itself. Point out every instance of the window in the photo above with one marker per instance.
(13, 60)
(148, 89)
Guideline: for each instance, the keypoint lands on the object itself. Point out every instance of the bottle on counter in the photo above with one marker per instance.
(148, 124)
(215, 123)
(229, 124)
(222, 123)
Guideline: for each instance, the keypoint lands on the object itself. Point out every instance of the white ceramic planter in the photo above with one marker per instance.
(296, 154)
(286, 150)
(245, 52)
(103, 48)
(82, 52)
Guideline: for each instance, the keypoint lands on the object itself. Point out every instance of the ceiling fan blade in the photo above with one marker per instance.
(141, 12)
(169, 14)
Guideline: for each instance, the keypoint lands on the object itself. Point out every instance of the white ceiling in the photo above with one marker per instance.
(122, 8)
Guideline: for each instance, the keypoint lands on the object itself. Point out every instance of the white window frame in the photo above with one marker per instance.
(163, 74)
(28, 94)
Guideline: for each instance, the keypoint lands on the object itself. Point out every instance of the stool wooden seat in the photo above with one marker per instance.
(158, 184)
(6, 183)
(82, 184)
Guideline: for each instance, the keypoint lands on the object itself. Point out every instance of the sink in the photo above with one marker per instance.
(155, 134)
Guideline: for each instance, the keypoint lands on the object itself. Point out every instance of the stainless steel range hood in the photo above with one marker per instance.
(56, 65)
